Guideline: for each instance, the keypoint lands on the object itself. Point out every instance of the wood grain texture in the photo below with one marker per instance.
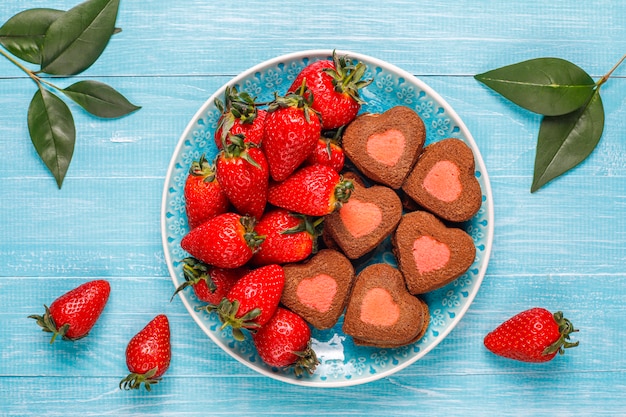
(563, 247)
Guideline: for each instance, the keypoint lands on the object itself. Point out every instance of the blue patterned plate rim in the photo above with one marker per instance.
(341, 362)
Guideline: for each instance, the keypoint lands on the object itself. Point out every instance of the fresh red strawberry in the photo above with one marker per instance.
(240, 115)
(242, 172)
(335, 88)
(534, 335)
(74, 313)
(204, 197)
(148, 354)
(253, 299)
(289, 237)
(285, 340)
(327, 152)
(210, 284)
(225, 241)
(291, 132)
(314, 190)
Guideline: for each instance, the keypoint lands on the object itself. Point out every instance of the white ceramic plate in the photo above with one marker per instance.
(341, 362)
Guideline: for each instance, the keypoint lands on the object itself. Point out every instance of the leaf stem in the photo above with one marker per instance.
(33, 75)
(608, 74)
(20, 66)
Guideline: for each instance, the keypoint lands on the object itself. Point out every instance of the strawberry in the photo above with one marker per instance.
(74, 313)
(314, 190)
(242, 172)
(204, 197)
(210, 284)
(328, 151)
(252, 301)
(289, 237)
(335, 87)
(225, 241)
(285, 340)
(148, 354)
(291, 132)
(239, 115)
(534, 335)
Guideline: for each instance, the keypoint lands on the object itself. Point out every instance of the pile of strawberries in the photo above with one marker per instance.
(261, 203)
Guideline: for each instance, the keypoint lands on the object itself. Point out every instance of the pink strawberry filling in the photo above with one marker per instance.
(379, 309)
(430, 254)
(386, 147)
(317, 292)
(442, 181)
(360, 218)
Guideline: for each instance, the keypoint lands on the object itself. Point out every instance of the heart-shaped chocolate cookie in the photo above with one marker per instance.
(381, 312)
(443, 181)
(318, 289)
(365, 220)
(385, 146)
(430, 254)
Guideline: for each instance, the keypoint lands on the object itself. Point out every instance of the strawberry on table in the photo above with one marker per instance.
(534, 335)
(252, 301)
(148, 354)
(314, 190)
(239, 115)
(210, 284)
(292, 129)
(335, 88)
(225, 241)
(204, 197)
(284, 341)
(289, 237)
(73, 314)
(243, 174)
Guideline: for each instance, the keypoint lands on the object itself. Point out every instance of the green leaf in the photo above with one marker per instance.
(24, 33)
(99, 99)
(52, 131)
(77, 39)
(548, 86)
(565, 141)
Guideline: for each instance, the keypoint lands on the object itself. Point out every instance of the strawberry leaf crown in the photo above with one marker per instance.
(47, 324)
(195, 271)
(300, 99)
(307, 361)
(240, 105)
(236, 106)
(565, 328)
(134, 380)
(342, 192)
(311, 225)
(227, 312)
(347, 77)
(203, 168)
(237, 147)
(252, 238)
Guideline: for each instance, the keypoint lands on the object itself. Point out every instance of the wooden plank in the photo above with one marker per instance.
(485, 395)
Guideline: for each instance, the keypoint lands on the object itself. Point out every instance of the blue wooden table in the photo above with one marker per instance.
(563, 248)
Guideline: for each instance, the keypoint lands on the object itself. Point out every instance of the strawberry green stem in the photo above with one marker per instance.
(134, 380)
(343, 191)
(252, 238)
(47, 324)
(195, 271)
(565, 328)
(307, 361)
(227, 312)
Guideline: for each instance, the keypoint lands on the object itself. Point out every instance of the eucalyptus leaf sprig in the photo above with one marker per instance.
(570, 102)
(63, 44)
